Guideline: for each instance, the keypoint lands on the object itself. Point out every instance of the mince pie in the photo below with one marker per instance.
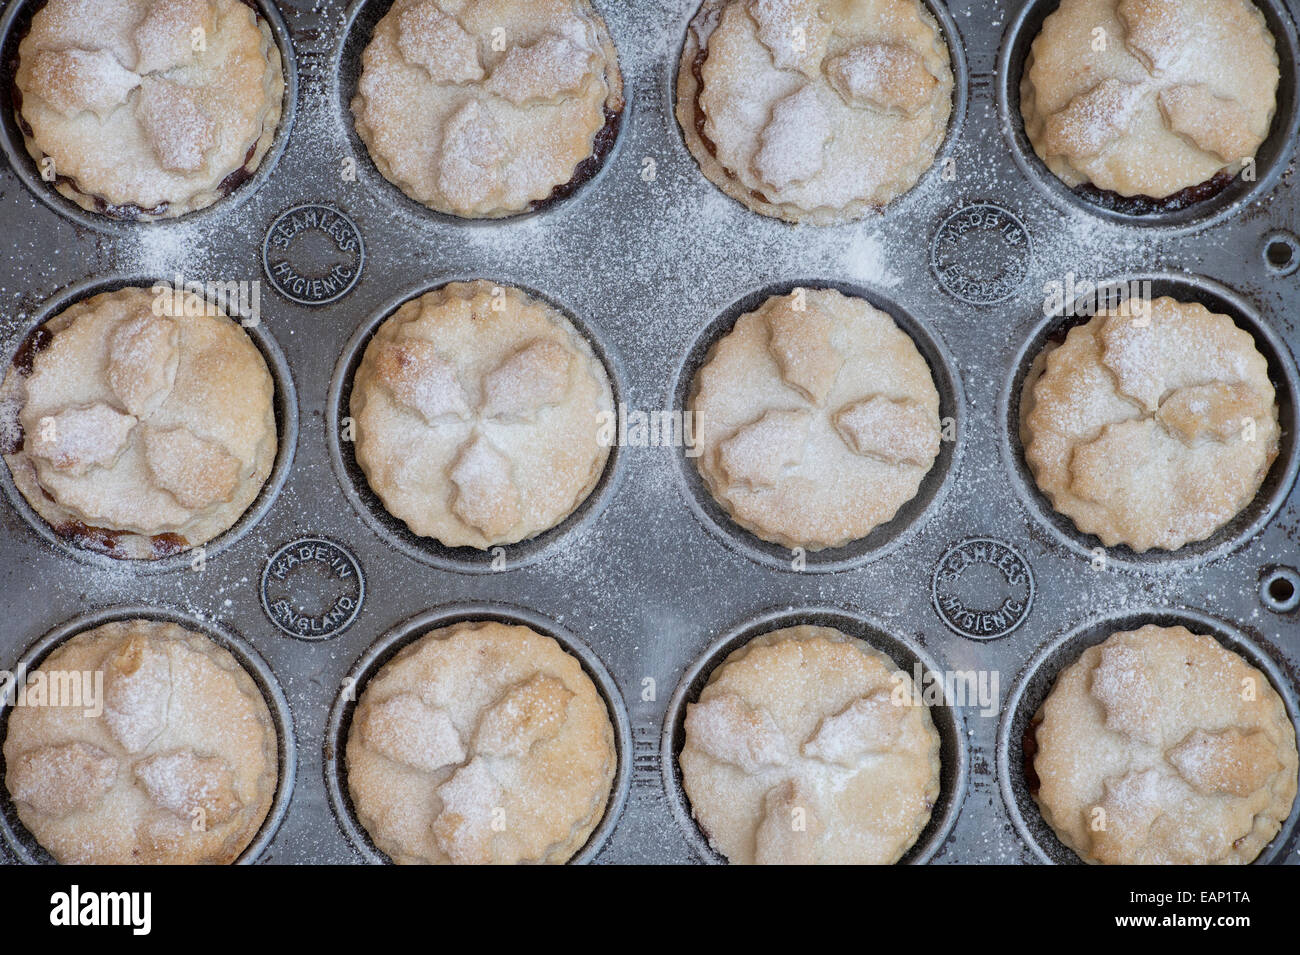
(487, 109)
(1151, 429)
(175, 763)
(480, 415)
(816, 419)
(135, 430)
(807, 747)
(1160, 746)
(1163, 99)
(481, 743)
(148, 109)
(810, 110)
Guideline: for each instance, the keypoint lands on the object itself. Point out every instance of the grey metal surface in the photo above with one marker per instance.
(645, 580)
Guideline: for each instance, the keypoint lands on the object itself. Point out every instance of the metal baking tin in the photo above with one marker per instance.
(649, 583)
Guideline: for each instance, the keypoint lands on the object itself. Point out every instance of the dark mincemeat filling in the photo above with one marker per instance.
(587, 169)
(1029, 744)
(697, 70)
(1146, 205)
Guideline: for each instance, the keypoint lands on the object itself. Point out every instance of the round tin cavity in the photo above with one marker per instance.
(14, 26)
(1277, 483)
(1191, 211)
(367, 504)
(284, 403)
(906, 653)
(358, 27)
(1035, 682)
(943, 157)
(25, 846)
(383, 650)
(884, 538)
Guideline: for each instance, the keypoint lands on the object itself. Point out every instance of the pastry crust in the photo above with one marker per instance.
(139, 432)
(814, 111)
(1180, 91)
(479, 414)
(805, 747)
(1160, 746)
(1151, 433)
(149, 109)
(814, 426)
(487, 109)
(481, 743)
(179, 768)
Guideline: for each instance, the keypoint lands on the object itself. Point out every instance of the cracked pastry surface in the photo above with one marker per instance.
(179, 766)
(797, 753)
(811, 110)
(149, 109)
(485, 108)
(135, 433)
(481, 743)
(1160, 746)
(1151, 432)
(1179, 91)
(816, 419)
(478, 415)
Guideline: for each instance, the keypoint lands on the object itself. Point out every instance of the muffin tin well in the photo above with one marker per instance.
(21, 841)
(1039, 676)
(910, 516)
(649, 583)
(340, 719)
(1271, 161)
(395, 531)
(358, 27)
(15, 22)
(948, 721)
(284, 404)
(1277, 484)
